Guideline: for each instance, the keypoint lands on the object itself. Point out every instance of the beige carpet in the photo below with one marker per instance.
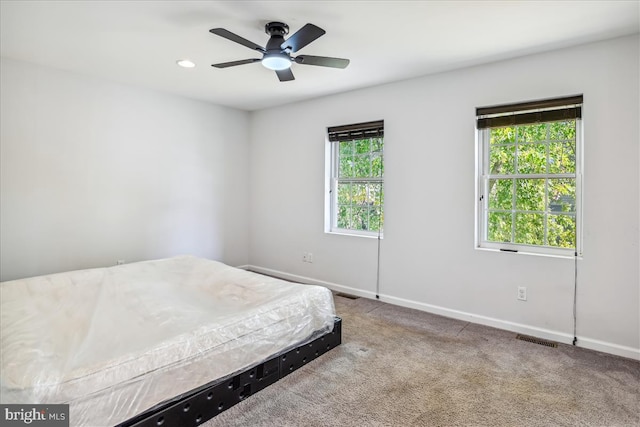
(402, 367)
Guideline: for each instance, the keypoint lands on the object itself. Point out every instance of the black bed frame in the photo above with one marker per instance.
(203, 403)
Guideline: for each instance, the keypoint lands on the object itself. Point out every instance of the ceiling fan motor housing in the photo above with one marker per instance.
(277, 31)
(276, 28)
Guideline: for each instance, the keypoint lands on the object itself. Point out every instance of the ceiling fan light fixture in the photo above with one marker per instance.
(276, 61)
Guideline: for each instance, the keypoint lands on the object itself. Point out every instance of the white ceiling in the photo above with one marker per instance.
(138, 42)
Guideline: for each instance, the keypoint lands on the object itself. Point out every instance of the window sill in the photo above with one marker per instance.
(520, 252)
(356, 234)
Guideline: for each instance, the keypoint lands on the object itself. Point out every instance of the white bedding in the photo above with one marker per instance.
(115, 341)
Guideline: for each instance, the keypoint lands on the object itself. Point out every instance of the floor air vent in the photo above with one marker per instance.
(343, 295)
(537, 340)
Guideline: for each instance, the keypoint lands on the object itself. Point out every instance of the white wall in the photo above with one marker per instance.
(93, 172)
(427, 256)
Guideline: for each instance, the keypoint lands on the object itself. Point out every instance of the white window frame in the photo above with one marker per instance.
(332, 156)
(482, 181)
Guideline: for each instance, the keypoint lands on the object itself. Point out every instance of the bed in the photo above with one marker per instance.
(124, 345)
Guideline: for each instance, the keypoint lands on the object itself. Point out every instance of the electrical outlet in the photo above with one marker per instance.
(305, 257)
(309, 257)
(522, 293)
(120, 262)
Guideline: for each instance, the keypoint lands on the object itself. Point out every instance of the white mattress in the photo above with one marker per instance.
(115, 341)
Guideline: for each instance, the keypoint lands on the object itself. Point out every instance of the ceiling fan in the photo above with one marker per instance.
(277, 55)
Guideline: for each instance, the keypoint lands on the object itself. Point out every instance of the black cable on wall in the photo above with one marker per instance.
(575, 296)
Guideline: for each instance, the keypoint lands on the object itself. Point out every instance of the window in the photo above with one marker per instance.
(356, 188)
(529, 186)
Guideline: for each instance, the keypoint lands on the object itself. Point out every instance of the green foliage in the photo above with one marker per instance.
(360, 206)
(530, 194)
(502, 159)
(561, 231)
(531, 133)
(562, 157)
(500, 194)
(562, 195)
(559, 131)
(532, 158)
(360, 190)
(539, 210)
(361, 158)
(502, 135)
(529, 229)
(346, 167)
(499, 229)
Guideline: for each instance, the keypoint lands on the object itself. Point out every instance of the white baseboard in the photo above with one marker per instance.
(584, 342)
(562, 337)
(607, 347)
(311, 281)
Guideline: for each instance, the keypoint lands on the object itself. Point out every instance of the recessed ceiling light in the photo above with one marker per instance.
(185, 63)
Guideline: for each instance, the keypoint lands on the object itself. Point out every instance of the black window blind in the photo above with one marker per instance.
(523, 113)
(356, 131)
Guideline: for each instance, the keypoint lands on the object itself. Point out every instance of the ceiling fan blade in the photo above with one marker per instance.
(323, 61)
(285, 75)
(236, 38)
(302, 37)
(234, 63)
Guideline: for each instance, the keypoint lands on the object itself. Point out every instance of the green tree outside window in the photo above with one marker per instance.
(360, 193)
(531, 184)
